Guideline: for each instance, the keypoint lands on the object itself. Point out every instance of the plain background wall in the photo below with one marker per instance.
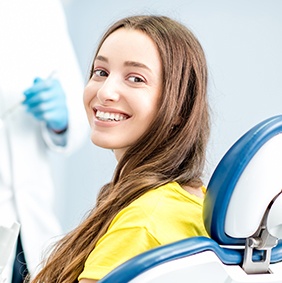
(242, 40)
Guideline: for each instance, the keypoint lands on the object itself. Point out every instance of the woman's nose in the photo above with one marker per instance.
(109, 90)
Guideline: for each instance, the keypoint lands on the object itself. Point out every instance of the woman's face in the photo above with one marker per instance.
(121, 99)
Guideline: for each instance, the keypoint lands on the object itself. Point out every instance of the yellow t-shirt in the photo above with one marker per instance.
(161, 216)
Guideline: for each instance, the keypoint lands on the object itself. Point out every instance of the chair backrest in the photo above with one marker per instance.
(245, 181)
(244, 196)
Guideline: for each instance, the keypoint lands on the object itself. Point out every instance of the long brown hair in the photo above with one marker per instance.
(172, 149)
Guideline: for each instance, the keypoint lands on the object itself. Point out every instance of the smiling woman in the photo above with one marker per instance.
(145, 100)
(126, 83)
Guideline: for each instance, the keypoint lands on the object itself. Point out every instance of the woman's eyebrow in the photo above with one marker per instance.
(101, 58)
(126, 63)
(136, 64)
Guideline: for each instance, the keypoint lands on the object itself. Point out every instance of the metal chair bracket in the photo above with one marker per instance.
(263, 241)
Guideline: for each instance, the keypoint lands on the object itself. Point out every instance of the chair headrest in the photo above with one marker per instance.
(244, 183)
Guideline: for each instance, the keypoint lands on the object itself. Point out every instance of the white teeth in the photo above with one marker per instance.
(107, 116)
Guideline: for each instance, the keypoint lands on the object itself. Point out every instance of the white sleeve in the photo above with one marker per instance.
(55, 142)
(68, 72)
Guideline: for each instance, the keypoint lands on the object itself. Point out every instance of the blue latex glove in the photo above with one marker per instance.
(46, 101)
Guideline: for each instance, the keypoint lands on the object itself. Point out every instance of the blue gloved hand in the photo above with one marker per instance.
(46, 101)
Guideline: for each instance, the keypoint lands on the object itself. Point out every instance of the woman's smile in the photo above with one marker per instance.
(109, 115)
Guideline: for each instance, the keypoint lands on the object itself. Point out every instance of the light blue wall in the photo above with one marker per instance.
(243, 44)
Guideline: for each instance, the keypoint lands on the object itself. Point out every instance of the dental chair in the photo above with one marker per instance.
(242, 214)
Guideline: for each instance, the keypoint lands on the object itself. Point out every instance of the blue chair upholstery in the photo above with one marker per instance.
(238, 179)
(226, 175)
(152, 258)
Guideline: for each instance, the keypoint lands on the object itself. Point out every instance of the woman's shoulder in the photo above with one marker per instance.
(158, 195)
(145, 207)
(172, 191)
(162, 200)
(166, 207)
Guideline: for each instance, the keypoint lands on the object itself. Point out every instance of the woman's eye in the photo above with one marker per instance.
(135, 79)
(100, 73)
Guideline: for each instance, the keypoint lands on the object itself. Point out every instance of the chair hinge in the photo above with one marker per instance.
(263, 241)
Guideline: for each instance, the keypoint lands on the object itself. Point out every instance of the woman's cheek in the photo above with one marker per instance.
(87, 96)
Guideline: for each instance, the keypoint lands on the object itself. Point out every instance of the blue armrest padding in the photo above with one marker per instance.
(227, 174)
(276, 253)
(190, 246)
(184, 248)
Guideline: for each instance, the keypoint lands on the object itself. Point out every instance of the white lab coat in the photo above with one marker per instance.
(33, 42)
